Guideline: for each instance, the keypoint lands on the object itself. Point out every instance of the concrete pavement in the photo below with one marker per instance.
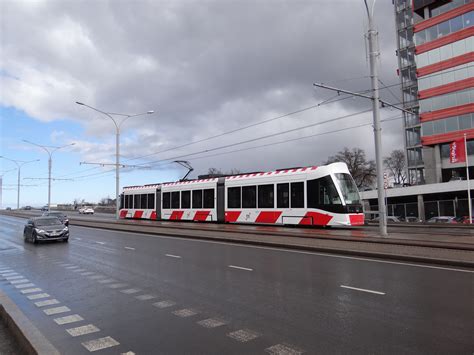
(156, 294)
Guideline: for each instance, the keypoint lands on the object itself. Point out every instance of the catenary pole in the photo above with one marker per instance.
(373, 57)
(19, 164)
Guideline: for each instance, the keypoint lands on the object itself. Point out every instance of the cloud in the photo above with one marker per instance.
(205, 67)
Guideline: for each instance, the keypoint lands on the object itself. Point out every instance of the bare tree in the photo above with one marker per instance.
(396, 164)
(362, 170)
(214, 171)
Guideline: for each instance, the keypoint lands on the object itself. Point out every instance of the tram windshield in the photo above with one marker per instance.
(348, 189)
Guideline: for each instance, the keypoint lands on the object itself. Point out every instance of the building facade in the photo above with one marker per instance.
(435, 40)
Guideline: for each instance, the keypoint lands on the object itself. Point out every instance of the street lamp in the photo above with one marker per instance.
(19, 164)
(117, 146)
(50, 150)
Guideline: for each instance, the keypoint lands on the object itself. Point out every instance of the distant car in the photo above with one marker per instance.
(464, 219)
(45, 229)
(8, 209)
(412, 219)
(62, 217)
(443, 219)
(27, 208)
(389, 219)
(44, 208)
(86, 210)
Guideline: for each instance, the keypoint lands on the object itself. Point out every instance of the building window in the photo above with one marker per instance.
(197, 198)
(233, 197)
(266, 197)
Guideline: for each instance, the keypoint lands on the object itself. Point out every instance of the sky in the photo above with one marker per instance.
(230, 83)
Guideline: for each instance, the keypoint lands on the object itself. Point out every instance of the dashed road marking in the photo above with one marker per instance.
(130, 291)
(99, 344)
(128, 353)
(117, 285)
(129, 248)
(20, 281)
(240, 268)
(72, 267)
(243, 335)
(14, 277)
(46, 303)
(173, 256)
(101, 243)
(87, 273)
(9, 274)
(38, 296)
(83, 330)
(107, 281)
(56, 310)
(212, 323)
(96, 277)
(145, 297)
(68, 319)
(78, 238)
(184, 313)
(164, 304)
(79, 270)
(66, 264)
(363, 290)
(31, 290)
(283, 349)
(25, 285)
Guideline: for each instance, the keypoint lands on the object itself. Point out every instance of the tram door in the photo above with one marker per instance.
(158, 203)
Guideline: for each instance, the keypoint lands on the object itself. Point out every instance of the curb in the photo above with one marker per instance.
(381, 255)
(29, 338)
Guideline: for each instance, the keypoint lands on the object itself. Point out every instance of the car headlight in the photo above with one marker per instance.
(41, 231)
(65, 229)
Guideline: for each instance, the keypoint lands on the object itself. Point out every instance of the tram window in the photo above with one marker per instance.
(209, 198)
(151, 201)
(185, 199)
(322, 192)
(175, 199)
(122, 202)
(233, 197)
(144, 202)
(136, 201)
(266, 196)
(197, 198)
(312, 193)
(297, 195)
(125, 201)
(130, 201)
(283, 195)
(249, 197)
(166, 200)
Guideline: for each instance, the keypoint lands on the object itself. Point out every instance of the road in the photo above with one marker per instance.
(124, 292)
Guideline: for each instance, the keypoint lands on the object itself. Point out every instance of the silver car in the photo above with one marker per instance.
(45, 229)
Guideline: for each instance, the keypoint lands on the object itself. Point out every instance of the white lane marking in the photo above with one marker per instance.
(237, 245)
(78, 238)
(128, 353)
(14, 282)
(14, 277)
(164, 304)
(68, 319)
(107, 281)
(25, 285)
(173, 256)
(96, 277)
(145, 297)
(46, 303)
(72, 267)
(212, 323)
(99, 344)
(283, 349)
(87, 273)
(79, 270)
(243, 335)
(129, 248)
(184, 313)
(38, 296)
(56, 310)
(130, 291)
(9, 274)
(31, 290)
(101, 243)
(117, 285)
(83, 330)
(363, 290)
(240, 268)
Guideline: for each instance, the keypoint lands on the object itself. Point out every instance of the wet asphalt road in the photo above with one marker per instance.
(161, 295)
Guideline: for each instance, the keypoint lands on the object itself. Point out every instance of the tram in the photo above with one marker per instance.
(312, 196)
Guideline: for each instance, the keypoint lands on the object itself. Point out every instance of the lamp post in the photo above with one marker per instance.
(373, 54)
(50, 150)
(118, 125)
(19, 164)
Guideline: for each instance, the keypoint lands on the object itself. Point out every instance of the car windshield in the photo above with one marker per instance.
(59, 214)
(348, 188)
(47, 222)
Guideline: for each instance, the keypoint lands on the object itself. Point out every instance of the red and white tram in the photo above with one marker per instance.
(318, 196)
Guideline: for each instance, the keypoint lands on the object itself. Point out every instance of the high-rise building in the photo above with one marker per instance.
(435, 40)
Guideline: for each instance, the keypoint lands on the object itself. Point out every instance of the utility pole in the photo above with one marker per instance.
(19, 164)
(50, 150)
(117, 164)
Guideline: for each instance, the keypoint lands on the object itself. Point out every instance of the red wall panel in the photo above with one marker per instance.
(447, 112)
(447, 88)
(445, 64)
(447, 137)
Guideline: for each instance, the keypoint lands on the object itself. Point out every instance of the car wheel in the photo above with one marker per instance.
(66, 240)
(34, 239)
